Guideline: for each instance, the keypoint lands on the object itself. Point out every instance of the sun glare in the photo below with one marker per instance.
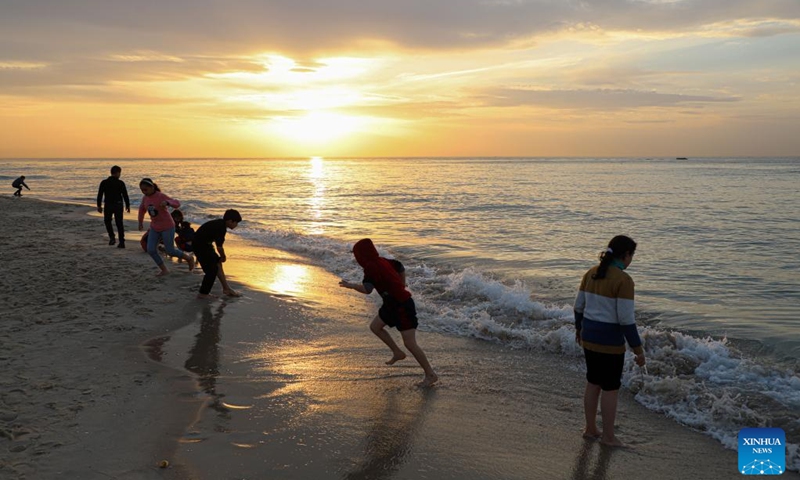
(317, 126)
(316, 168)
(289, 279)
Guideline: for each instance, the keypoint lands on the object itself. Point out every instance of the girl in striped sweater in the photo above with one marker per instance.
(604, 321)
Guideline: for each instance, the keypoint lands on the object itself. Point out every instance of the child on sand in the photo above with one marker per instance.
(143, 243)
(604, 320)
(209, 234)
(398, 309)
(18, 184)
(184, 233)
(162, 227)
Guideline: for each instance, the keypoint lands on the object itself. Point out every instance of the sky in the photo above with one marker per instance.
(339, 78)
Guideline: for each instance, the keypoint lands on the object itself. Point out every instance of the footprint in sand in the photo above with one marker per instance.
(143, 312)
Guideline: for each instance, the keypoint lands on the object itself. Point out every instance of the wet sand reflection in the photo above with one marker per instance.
(204, 356)
(391, 436)
(582, 470)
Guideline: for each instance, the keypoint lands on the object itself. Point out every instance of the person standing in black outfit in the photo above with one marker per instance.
(209, 234)
(116, 194)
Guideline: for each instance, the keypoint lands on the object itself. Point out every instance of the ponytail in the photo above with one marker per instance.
(149, 182)
(618, 247)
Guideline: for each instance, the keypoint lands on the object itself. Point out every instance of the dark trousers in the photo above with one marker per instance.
(18, 193)
(209, 260)
(116, 211)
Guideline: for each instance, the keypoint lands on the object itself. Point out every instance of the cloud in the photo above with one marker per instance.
(122, 67)
(754, 28)
(93, 95)
(47, 29)
(98, 42)
(600, 99)
(21, 65)
(437, 63)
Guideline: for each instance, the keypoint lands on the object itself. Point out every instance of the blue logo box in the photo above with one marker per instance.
(762, 451)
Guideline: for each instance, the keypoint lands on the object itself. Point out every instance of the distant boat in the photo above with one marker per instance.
(681, 158)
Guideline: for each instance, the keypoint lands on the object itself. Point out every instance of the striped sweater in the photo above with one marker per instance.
(604, 312)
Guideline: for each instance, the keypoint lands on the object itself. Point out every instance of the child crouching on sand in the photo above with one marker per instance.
(398, 309)
(604, 320)
(184, 233)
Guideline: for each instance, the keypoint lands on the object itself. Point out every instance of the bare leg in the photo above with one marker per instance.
(608, 410)
(163, 270)
(189, 259)
(410, 341)
(226, 288)
(591, 397)
(378, 328)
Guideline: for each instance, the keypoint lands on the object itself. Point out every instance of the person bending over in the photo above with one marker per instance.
(18, 184)
(210, 234)
(162, 227)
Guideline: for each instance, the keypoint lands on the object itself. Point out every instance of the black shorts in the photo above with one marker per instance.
(604, 369)
(402, 316)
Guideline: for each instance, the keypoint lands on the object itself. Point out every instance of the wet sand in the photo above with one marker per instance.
(320, 404)
(108, 371)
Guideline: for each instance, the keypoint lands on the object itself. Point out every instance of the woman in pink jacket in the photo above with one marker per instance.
(162, 226)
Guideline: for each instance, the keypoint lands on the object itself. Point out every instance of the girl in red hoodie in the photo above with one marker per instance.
(398, 309)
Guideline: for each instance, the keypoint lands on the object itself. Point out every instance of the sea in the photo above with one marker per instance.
(495, 249)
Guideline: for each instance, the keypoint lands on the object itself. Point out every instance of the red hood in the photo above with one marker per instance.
(365, 252)
(379, 271)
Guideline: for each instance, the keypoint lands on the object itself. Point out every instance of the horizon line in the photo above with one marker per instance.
(403, 157)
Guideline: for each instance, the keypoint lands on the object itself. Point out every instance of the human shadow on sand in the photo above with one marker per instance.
(583, 470)
(392, 434)
(204, 356)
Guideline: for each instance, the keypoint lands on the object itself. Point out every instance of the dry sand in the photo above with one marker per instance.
(78, 399)
(268, 386)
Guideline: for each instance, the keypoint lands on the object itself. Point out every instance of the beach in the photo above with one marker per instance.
(110, 371)
(503, 152)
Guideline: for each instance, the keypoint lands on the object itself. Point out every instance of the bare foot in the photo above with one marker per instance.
(203, 296)
(190, 261)
(591, 433)
(162, 273)
(428, 381)
(612, 443)
(232, 293)
(396, 358)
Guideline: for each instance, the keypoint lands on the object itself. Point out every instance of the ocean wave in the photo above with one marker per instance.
(28, 177)
(703, 383)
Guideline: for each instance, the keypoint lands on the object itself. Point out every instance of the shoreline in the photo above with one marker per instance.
(80, 400)
(286, 381)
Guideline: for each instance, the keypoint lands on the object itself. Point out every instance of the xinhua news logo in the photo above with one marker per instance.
(762, 451)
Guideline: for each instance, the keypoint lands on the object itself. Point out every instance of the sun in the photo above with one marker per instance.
(317, 127)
